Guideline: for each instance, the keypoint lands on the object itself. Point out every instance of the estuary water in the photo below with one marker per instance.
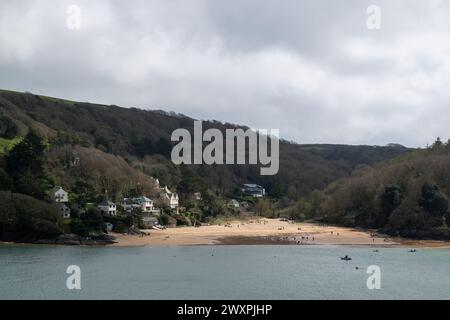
(223, 272)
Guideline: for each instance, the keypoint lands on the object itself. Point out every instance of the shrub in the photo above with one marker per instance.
(24, 218)
(77, 226)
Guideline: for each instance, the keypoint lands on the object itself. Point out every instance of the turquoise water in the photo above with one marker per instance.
(222, 272)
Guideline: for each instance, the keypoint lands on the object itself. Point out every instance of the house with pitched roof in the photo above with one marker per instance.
(142, 203)
(254, 190)
(59, 195)
(168, 198)
(108, 207)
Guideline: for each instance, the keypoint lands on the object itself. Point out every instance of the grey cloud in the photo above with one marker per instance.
(310, 68)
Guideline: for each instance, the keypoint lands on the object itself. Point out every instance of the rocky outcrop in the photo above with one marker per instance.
(75, 240)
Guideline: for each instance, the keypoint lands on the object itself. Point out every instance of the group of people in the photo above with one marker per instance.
(301, 240)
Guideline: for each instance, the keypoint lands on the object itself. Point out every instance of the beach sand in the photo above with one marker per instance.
(267, 231)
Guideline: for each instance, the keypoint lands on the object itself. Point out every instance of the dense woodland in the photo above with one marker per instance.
(408, 196)
(99, 152)
(141, 140)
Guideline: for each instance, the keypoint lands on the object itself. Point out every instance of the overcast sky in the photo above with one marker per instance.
(310, 68)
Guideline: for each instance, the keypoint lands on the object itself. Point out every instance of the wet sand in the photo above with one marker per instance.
(268, 231)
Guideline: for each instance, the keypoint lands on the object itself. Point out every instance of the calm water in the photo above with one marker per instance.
(222, 272)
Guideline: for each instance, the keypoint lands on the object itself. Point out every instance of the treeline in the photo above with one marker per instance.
(408, 196)
(25, 215)
(356, 156)
(142, 138)
(26, 219)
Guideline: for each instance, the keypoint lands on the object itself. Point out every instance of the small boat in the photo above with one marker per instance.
(412, 251)
(346, 258)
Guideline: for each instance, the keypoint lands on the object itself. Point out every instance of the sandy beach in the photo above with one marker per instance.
(267, 231)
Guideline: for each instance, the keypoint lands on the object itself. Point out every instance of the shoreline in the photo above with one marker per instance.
(253, 232)
(269, 232)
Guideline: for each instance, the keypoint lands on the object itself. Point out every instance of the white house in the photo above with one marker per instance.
(108, 207)
(169, 198)
(59, 195)
(166, 198)
(146, 205)
(143, 203)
